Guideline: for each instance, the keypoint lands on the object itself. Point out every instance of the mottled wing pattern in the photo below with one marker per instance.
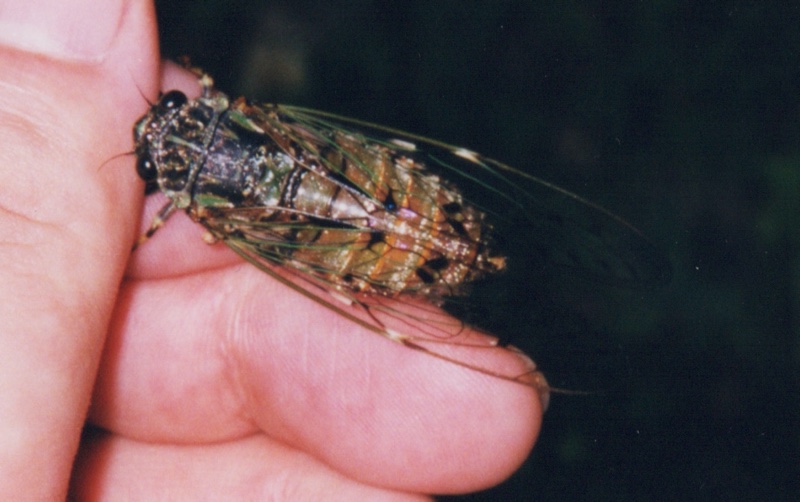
(561, 227)
(380, 226)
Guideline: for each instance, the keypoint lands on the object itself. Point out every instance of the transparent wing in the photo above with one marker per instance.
(415, 324)
(558, 227)
(535, 222)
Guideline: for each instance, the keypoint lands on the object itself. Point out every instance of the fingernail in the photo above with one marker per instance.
(533, 377)
(543, 388)
(76, 30)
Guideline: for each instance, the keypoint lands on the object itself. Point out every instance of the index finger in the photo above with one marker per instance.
(67, 94)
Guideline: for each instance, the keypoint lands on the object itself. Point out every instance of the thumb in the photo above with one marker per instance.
(68, 98)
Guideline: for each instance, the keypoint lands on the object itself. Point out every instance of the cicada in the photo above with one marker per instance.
(382, 226)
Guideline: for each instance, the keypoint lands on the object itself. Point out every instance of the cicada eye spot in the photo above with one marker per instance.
(172, 100)
(146, 168)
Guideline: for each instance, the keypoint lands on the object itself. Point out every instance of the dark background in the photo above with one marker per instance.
(681, 116)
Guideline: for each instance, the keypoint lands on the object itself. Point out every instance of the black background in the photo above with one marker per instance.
(681, 116)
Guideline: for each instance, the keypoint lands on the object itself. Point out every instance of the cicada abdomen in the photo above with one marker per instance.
(367, 213)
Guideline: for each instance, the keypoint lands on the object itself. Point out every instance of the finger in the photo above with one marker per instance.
(251, 468)
(67, 96)
(218, 355)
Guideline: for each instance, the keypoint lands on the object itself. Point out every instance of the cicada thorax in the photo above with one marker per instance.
(361, 216)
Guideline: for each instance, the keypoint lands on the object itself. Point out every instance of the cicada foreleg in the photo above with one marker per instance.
(205, 80)
(158, 221)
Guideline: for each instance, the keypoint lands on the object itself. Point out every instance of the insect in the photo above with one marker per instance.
(379, 225)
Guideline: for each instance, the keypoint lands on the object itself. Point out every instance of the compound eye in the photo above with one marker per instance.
(146, 168)
(172, 100)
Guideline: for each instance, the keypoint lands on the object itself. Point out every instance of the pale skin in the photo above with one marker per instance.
(202, 376)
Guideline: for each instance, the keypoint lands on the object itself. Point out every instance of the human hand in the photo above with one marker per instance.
(215, 380)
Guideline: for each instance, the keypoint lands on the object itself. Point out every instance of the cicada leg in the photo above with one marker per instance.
(206, 82)
(158, 221)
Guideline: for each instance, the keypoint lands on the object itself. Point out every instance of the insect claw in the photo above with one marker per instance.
(158, 222)
(154, 226)
(141, 240)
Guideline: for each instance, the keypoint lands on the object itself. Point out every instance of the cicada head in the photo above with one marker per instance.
(169, 140)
